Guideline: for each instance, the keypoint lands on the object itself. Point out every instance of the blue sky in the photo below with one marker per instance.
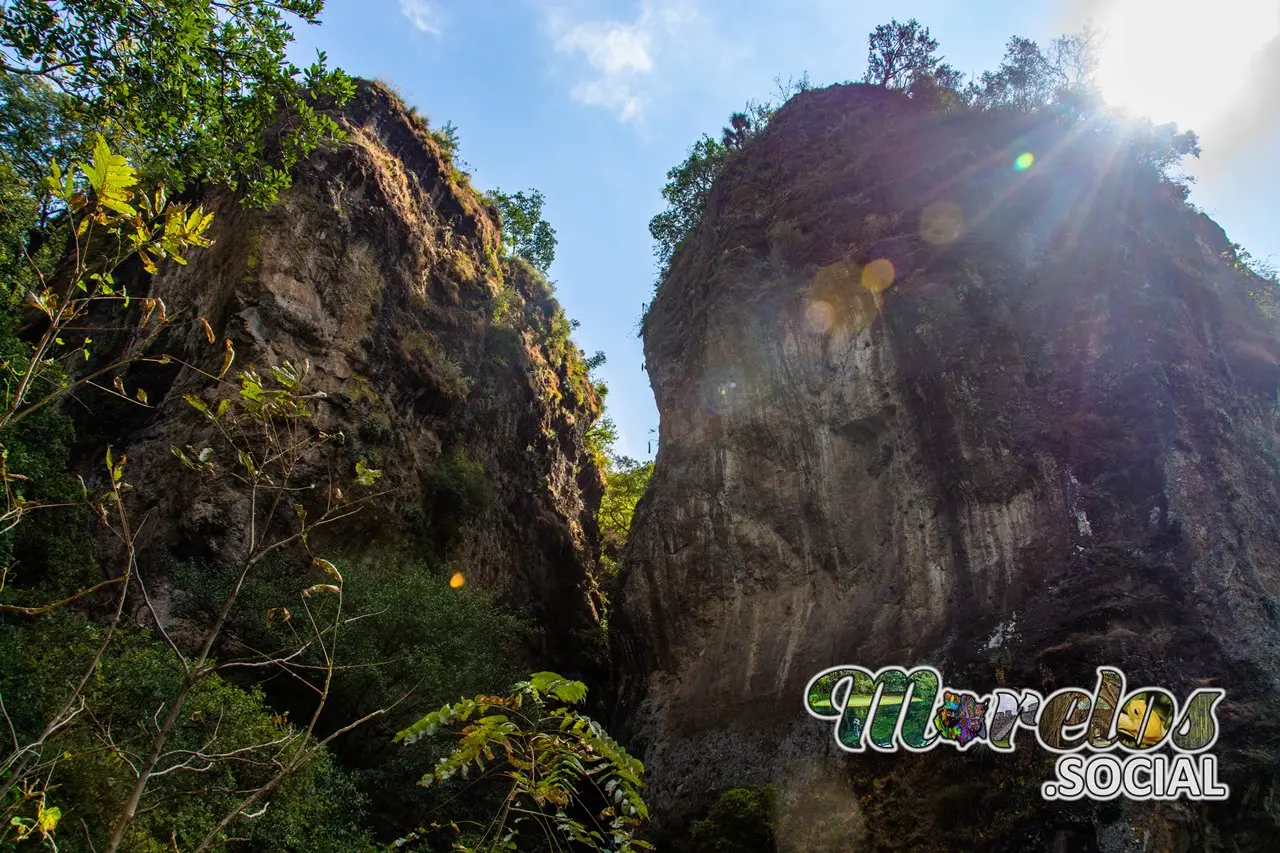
(591, 101)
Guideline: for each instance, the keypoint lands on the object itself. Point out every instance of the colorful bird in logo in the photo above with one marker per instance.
(1131, 719)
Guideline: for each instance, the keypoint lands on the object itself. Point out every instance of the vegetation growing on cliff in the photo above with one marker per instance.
(689, 183)
(1058, 83)
(525, 233)
(741, 821)
(138, 714)
(625, 484)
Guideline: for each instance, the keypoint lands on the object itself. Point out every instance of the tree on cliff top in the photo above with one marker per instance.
(1030, 78)
(525, 233)
(689, 183)
(905, 56)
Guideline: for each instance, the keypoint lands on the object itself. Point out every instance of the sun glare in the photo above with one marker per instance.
(1187, 61)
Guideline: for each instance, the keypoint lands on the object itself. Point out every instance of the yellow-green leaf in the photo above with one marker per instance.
(366, 476)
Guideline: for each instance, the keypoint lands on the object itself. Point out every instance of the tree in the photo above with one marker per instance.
(265, 431)
(689, 183)
(112, 223)
(897, 53)
(625, 483)
(1030, 79)
(1022, 82)
(1062, 82)
(686, 192)
(185, 87)
(524, 232)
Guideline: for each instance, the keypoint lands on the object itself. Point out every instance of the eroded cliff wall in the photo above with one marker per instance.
(449, 370)
(921, 407)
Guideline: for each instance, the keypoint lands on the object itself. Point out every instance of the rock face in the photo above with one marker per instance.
(447, 369)
(917, 407)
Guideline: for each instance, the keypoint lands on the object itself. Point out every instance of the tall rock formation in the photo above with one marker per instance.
(921, 406)
(446, 368)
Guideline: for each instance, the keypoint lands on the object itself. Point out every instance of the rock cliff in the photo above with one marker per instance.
(449, 370)
(919, 406)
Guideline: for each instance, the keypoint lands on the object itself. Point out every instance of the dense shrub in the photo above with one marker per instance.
(741, 821)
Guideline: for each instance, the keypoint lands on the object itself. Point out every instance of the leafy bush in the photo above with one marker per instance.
(459, 486)
(408, 629)
(318, 809)
(741, 821)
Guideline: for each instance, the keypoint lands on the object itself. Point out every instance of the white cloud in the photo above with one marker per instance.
(625, 57)
(423, 15)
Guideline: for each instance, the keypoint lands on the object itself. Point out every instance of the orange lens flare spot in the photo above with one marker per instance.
(877, 276)
(457, 580)
(838, 299)
(941, 223)
(819, 316)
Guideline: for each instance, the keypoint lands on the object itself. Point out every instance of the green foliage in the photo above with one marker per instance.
(406, 628)
(560, 770)
(318, 809)
(1029, 79)
(686, 192)
(689, 183)
(447, 138)
(443, 370)
(1265, 279)
(37, 127)
(103, 208)
(1062, 81)
(626, 481)
(741, 821)
(189, 86)
(601, 438)
(525, 233)
(904, 56)
(460, 484)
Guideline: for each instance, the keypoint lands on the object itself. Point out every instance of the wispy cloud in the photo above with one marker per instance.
(625, 58)
(424, 16)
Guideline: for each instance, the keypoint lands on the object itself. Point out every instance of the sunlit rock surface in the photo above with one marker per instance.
(928, 400)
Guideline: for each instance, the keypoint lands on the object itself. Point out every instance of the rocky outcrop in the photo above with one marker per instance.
(442, 366)
(919, 406)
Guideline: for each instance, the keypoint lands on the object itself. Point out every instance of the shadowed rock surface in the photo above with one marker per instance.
(380, 269)
(1049, 444)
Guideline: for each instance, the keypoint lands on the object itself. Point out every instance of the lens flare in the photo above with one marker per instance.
(851, 306)
(819, 316)
(457, 580)
(722, 390)
(877, 276)
(941, 223)
(1024, 161)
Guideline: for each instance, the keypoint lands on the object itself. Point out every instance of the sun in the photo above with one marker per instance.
(1185, 61)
